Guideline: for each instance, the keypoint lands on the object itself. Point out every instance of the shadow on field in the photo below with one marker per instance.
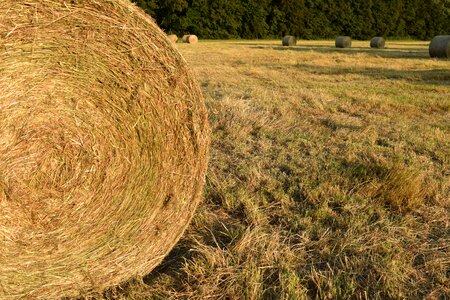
(434, 76)
(220, 234)
(410, 53)
(410, 44)
(388, 52)
(272, 46)
(172, 263)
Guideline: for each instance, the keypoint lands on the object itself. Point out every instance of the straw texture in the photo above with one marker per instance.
(343, 42)
(440, 46)
(103, 146)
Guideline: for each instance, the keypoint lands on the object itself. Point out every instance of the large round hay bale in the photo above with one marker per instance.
(103, 146)
(173, 38)
(440, 46)
(343, 42)
(289, 40)
(190, 39)
(377, 42)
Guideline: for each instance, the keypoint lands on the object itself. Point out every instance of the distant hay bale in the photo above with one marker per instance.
(289, 40)
(440, 46)
(343, 42)
(173, 38)
(378, 43)
(190, 39)
(103, 146)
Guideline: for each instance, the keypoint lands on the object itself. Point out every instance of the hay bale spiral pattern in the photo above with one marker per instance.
(377, 43)
(103, 146)
(343, 42)
(440, 46)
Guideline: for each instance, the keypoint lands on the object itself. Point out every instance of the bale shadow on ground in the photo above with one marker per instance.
(263, 45)
(408, 53)
(172, 263)
(215, 236)
(434, 76)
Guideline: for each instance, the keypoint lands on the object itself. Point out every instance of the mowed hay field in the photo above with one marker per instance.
(329, 176)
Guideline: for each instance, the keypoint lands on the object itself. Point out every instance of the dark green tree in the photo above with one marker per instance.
(387, 19)
(254, 20)
(150, 6)
(362, 19)
(169, 13)
(317, 22)
(294, 16)
(221, 19)
(213, 18)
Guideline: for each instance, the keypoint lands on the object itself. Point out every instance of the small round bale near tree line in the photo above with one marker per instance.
(289, 40)
(378, 42)
(173, 38)
(440, 46)
(103, 146)
(190, 39)
(343, 42)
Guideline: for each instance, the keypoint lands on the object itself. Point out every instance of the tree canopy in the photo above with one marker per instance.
(308, 19)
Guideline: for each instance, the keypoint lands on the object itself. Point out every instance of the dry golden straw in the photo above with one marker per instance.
(103, 146)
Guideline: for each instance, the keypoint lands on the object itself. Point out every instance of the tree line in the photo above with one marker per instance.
(306, 19)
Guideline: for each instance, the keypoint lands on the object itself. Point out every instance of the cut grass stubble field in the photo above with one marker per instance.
(329, 176)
